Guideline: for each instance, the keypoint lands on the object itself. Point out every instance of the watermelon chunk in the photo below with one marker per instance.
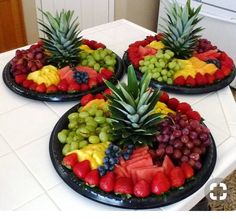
(167, 165)
(90, 71)
(120, 171)
(136, 159)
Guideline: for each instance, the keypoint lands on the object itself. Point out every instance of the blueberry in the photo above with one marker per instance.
(118, 154)
(115, 148)
(108, 151)
(130, 146)
(106, 159)
(129, 151)
(106, 166)
(126, 156)
(111, 168)
(112, 161)
(116, 160)
(102, 170)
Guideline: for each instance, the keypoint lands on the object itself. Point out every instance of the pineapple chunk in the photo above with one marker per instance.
(156, 45)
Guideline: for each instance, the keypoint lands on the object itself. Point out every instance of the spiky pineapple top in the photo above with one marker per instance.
(62, 38)
(131, 107)
(181, 31)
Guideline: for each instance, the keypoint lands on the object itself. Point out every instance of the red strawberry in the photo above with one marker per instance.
(107, 91)
(99, 45)
(27, 83)
(33, 86)
(99, 79)
(194, 115)
(41, 88)
(70, 160)
(123, 185)
(84, 87)
(63, 85)
(190, 81)
(160, 183)
(173, 103)
(150, 38)
(159, 36)
(210, 78)
(200, 79)
(92, 82)
(99, 96)
(86, 98)
(183, 107)
(52, 89)
(226, 70)
(180, 81)
(73, 87)
(92, 178)
(107, 182)
(106, 74)
(177, 177)
(142, 189)
(188, 170)
(81, 169)
(219, 74)
(164, 97)
(20, 78)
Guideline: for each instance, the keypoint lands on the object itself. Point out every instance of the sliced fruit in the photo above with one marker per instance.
(167, 165)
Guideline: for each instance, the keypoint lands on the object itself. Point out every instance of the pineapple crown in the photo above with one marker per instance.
(180, 32)
(132, 110)
(63, 40)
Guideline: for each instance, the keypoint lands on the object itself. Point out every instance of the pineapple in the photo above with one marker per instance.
(63, 40)
(132, 108)
(180, 31)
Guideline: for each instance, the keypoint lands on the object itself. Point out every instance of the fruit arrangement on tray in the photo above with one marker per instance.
(134, 142)
(179, 59)
(63, 62)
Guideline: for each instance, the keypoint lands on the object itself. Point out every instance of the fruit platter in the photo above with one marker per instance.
(63, 66)
(133, 147)
(179, 59)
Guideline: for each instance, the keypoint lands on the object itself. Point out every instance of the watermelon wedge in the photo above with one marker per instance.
(167, 165)
(90, 71)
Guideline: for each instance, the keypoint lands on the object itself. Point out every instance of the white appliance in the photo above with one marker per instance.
(219, 22)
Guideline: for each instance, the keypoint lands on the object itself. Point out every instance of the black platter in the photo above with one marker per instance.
(57, 97)
(55, 149)
(184, 89)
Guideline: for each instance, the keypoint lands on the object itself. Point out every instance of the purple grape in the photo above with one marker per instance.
(177, 154)
(191, 162)
(185, 139)
(194, 124)
(203, 150)
(207, 142)
(198, 165)
(186, 151)
(160, 152)
(197, 150)
(165, 138)
(193, 135)
(166, 131)
(184, 159)
(203, 137)
(177, 133)
(197, 142)
(169, 150)
(159, 138)
(185, 131)
(189, 145)
(161, 145)
(182, 123)
(194, 156)
(178, 144)
(198, 129)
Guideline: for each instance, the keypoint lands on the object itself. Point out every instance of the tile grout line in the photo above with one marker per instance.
(35, 178)
(15, 108)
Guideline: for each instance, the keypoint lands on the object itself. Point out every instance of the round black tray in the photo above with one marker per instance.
(55, 149)
(57, 97)
(184, 89)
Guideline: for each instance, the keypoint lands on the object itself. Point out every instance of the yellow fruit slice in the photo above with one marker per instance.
(156, 45)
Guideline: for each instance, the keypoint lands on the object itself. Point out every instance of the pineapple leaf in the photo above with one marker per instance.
(126, 94)
(132, 82)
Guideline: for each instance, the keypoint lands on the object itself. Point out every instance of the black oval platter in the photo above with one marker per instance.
(184, 89)
(57, 97)
(154, 201)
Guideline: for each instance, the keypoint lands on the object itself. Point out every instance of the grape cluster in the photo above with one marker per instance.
(30, 60)
(183, 140)
(80, 77)
(87, 126)
(161, 66)
(100, 58)
(112, 154)
(204, 45)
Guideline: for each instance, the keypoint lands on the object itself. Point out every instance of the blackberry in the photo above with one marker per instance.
(80, 77)
(214, 61)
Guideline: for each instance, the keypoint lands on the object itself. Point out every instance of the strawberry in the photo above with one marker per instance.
(92, 178)
(84, 87)
(210, 78)
(73, 87)
(106, 74)
(173, 103)
(99, 79)
(81, 169)
(200, 79)
(159, 36)
(194, 115)
(123, 185)
(188, 170)
(33, 86)
(183, 107)
(142, 189)
(150, 38)
(99, 45)
(107, 182)
(180, 81)
(70, 160)
(41, 88)
(226, 70)
(99, 96)
(20, 78)
(92, 82)
(52, 89)
(86, 98)
(190, 81)
(164, 97)
(107, 91)
(27, 83)
(160, 184)
(177, 177)
(63, 85)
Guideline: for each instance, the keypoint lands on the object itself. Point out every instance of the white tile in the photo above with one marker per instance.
(67, 199)
(61, 108)
(41, 203)
(17, 185)
(4, 147)
(27, 123)
(36, 157)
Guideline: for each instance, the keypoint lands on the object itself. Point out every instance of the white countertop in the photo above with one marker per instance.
(28, 181)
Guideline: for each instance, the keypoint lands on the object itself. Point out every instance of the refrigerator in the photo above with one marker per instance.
(219, 21)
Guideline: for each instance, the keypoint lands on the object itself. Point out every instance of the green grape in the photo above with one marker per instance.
(169, 74)
(84, 62)
(111, 68)
(83, 55)
(169, 81)
(83, 143)
(100, 119)
(164, 72)
(146, 63)
(143, 69)
(162, 63)
(91, 63)
(99, 113)
(177, 67)
(106, 128)
(79, 137)
(166, 56)
(72, 124)
(92, 123)
(92, 111)
(103, 136)
(96, 55)
(93, 139)
(164, 78)
(91, 128)
(96, 67)
(74, 146)
(172, 65)
(62, 137)
(84, 132)
(156, 75)
(151, 66)
(160, 79)
(83, 114)
(147, 58)
(141, 62)
(72, 134)
(108, 51)
(153, 60)
(69, 139)
(73, 116)
(66, 149)
(65, 131)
